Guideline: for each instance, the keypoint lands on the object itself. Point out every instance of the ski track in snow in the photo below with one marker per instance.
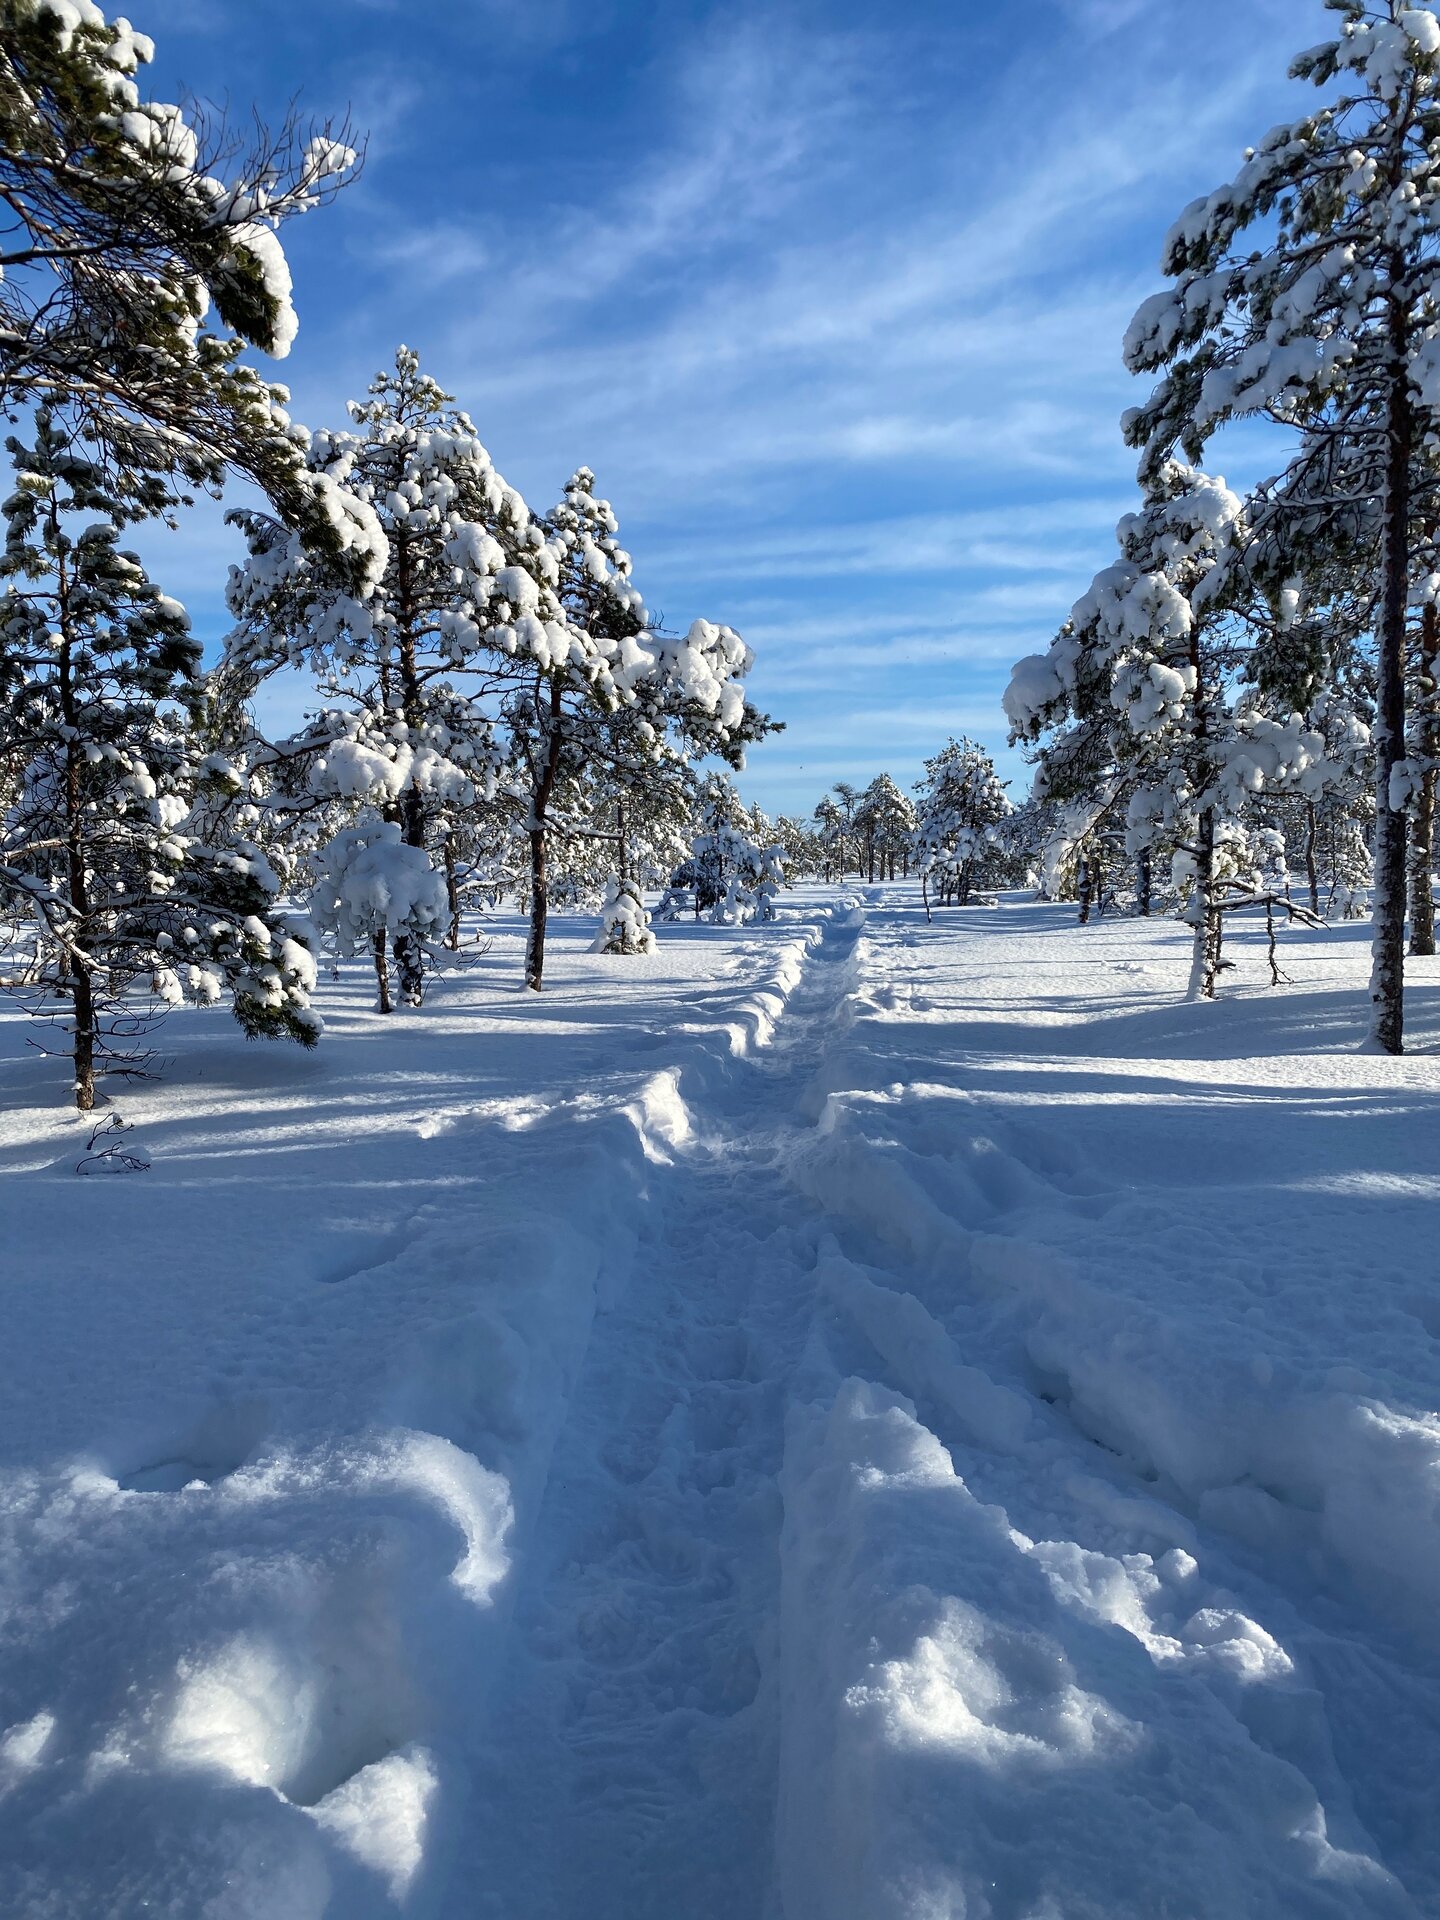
(874, 1494)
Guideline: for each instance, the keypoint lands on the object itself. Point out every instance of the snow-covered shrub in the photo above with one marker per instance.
(769, 881)
(674, 904)
(371, 886)
(624, 923)
(735, 906)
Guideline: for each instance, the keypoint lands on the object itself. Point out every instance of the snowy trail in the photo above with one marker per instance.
(636, 1741)
(841, 1604)
(872, 1421)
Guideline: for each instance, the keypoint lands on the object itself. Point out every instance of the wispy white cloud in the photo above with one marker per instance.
(834, 312)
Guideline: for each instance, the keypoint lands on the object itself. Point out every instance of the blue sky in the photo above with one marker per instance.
(830, 296)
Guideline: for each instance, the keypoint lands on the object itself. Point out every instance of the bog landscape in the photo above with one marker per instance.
(714, 1167)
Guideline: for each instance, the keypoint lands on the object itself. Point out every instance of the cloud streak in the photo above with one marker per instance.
(834, 312)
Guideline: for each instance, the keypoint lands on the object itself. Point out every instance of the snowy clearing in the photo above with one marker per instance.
(841, 1419)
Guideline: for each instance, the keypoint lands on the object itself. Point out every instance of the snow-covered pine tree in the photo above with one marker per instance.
(830, 830)
(769, 878)
(1152, 665)
(1079, 789)
(1017, 844)
(454, 583)
(647, 798)
(110, 845)
(885, 820)
(624, 923)
(1308, 290)
(119, 236)
(1141, 666)
(804, 857)
(623, 698)
(961, 798)
(724, 866)
(847, 800)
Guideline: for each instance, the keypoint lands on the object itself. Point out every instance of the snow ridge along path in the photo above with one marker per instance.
(894, 1420)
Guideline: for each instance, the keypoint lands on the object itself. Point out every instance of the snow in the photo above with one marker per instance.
(264, 248)
(369, 882)
(830, 1419)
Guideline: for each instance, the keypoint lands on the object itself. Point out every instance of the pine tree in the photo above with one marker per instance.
(803, 855)
(624, 923)
(622, 697)
(112, 844)
(483, 639)
(119, 237)
(830, 832)
(961, 799)
(453, 566)
(1163, 665)
(885, 819)
(1326, 321)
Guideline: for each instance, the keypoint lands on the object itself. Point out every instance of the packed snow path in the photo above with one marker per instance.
(636, 1739)
(846, 1420)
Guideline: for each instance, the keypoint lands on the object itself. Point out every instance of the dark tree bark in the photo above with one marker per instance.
(382, 975)
(1143, 883)
(452, 894)
(409, 953)
(1387, 974)
(1312, 875)
(539, 866)
(1422, 814)
(1205, 960)
(82, 997)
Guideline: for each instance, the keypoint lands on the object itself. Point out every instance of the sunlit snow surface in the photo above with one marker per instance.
(837, 1420)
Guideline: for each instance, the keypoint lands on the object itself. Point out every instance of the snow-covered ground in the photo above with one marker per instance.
(837, 1420)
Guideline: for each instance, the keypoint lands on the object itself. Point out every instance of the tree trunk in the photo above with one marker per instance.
(1387, 974)
(539, 911)
(382, 975)
(1083, 891)
(539, 863)
(1422, 815)
(1205, 955)
(409, 953)
(77, 878)
(1142, 883)
(84, 1004)
(1312, 876)
(452, 894)
(1422, 864)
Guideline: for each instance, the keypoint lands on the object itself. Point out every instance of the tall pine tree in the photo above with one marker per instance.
(1308, 290)
(112, 846)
